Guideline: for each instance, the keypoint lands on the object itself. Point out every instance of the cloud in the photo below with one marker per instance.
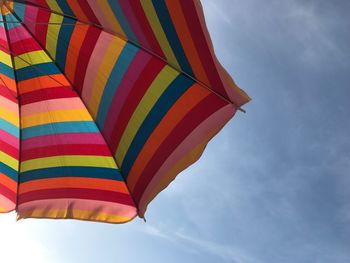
(199, 245)
(311, 33)
(226, 252)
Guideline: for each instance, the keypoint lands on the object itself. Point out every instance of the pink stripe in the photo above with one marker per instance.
(95, 6)
(18, 34)
(51, 105)
(94, 206)
(195, 138)
(60, 139)
(137, 66)
(31, 16)
(6, 204)
(96, 60)
(9, 105)
(9, 139)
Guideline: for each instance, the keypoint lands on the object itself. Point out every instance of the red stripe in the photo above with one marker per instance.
(76, 193)
(41, 30)
(195, 117)
(65, 149)
(88, 46)
(88, 11)
(145, 26)
(10, 150)
(47, 94)
(136, 67)
(9, 194)
(25, 46)
(39, 2)
(140, 87)
(4, 92)
(194, 25)
(4, 45)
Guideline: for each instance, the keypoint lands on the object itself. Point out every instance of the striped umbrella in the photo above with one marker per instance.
(103, 103)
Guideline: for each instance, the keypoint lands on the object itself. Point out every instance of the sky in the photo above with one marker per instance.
(273, 186)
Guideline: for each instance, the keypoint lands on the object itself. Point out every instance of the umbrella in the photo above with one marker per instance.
(103, 103)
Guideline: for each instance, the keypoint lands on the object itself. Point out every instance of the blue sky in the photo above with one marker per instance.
(281, 188)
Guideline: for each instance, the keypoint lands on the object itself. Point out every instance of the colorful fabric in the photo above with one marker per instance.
(9, 128)
(116, 98)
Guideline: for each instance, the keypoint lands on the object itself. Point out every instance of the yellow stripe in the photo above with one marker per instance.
(73, 214)
(159, 85)
(9, 160)
(54, 6)
(5, 58)
(52, 34)
(68, 160)
(107, 11)
(55, 116)
(158, 31)
(9, 116)
(110, 58)
(33, 58)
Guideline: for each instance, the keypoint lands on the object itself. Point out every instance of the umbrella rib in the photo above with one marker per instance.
(140, 47)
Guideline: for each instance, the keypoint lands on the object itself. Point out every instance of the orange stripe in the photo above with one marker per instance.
(186, 40)
(73, 182)
(75, 44)
(78, 12)
(189, 100)
(8, 182)
(10, 83)
(42, 82)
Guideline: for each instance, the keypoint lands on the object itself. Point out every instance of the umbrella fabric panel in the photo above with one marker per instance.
(174, 30)
(155, 120)
(66, 170)
(9, 128)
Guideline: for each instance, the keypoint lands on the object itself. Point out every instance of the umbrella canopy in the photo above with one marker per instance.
(103, 103)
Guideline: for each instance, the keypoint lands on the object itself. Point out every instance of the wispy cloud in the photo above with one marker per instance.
(199, 245)
(303, 30)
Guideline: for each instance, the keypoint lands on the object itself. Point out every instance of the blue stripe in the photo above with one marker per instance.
(118, 12)
(117, 75)
(8, 171)
(170, 31)
(63, 43)
(37, 71)
(71, 171)
(11, 18)
(19, 9)
(59, 128)
(6, 70)
(175, 90)
(9, 127)
(65, 7)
